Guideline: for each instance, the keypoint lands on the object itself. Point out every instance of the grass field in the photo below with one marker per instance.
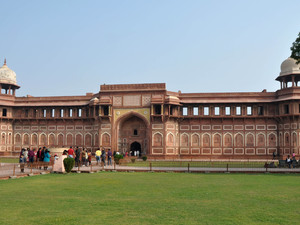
(151, 198)
(9, 160)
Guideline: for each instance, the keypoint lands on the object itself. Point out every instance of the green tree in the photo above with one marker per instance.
(296, 49)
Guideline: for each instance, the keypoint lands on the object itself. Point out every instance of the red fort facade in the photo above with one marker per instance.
(156, 122)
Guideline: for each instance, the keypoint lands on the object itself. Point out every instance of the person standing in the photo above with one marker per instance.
(294, 156)
(103, 156)
(35, 155)
(289, 161)
(77, 157)
(70, 152)
(38, 155)
(98, 155)
(83, 157)
(86, 157)
(31, 156)
(274, 155)
(109, 155)
(42, 154)
(25, 155)
(46, 159)
(21, 155)
(90, 157)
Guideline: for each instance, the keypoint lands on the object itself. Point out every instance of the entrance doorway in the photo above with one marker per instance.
(135, 149)
(133, 135)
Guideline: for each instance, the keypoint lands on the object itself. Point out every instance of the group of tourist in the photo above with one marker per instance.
(82, 157)
(290, 160)
(101, 156)
(31, 155)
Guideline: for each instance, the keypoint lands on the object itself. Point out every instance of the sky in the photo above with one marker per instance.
(65, 48)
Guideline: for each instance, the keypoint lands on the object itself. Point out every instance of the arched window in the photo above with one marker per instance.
(170, 139)
(195, 140)
(239, 140)
(287, 139)
(34, 139)
(96, 140)
(43, 139)
(60, 140)
(88, 140)
(51, 140)
(3, 137)
(105, 140)
(69, 140)
(78, 138)
(206, 140)
(9, 138)
(157, 140)
(294, 139)
(217, 140)
(228, 140)
(272, 140)
(261, 140)
(184, 140)
(18, 139)
(249, 140)
(26, 139)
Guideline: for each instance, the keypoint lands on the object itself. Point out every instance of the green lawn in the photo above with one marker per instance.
(151, 198)
(9, 160)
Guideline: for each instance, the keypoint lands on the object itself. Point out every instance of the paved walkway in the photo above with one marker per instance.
(14, 169)
(185, 169)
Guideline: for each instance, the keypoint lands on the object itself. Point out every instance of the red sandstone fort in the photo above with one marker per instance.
(156, 122)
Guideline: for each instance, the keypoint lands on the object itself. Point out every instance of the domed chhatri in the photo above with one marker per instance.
(7, 76)
(289, 76)
(289, 66)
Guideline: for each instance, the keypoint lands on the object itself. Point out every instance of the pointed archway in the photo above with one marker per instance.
(135, 148)
(132, 132)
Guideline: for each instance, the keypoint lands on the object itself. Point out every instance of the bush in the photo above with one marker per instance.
(69, 164)
(117, 158)
(133, 160)
(144, 158)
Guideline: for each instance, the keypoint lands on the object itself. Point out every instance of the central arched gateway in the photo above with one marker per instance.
(132, 131)
(135, 149)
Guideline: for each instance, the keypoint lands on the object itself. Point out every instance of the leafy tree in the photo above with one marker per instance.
(296, 49)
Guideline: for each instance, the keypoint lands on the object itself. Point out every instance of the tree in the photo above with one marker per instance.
(296, 49)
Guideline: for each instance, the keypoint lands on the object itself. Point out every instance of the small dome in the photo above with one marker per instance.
(7, 75)
(289, 66)
(95, 99)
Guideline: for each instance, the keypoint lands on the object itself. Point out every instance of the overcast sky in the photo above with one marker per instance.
(61, 47)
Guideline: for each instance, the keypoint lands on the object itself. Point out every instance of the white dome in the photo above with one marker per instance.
(7, 75)
(289, 66)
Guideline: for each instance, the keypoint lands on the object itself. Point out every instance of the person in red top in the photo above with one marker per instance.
(71, 152)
